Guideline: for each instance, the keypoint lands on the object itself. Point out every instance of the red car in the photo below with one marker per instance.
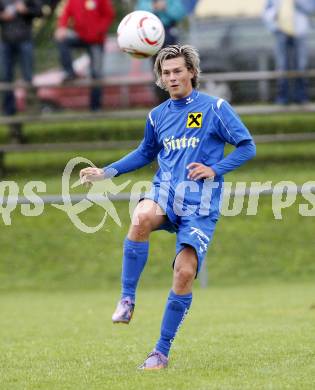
(129, 83)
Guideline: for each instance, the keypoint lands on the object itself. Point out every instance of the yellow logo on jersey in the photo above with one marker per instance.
(194, 119)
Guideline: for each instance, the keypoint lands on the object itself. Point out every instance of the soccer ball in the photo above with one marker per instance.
(140, 34)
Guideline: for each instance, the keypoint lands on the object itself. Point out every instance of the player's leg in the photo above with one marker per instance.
(177, 306)
(185, 269)
(147, 217)
(193, 239)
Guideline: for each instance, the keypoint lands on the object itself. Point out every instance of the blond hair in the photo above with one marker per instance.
(190, 55)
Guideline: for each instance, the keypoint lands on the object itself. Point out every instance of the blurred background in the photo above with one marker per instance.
(231, 37)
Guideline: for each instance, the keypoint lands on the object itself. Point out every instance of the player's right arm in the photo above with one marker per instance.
(145, 153)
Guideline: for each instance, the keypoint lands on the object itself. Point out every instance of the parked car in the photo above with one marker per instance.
(239, 44)
(130, 83)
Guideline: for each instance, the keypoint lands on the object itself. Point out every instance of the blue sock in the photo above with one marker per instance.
(176, 309)
(134, 260)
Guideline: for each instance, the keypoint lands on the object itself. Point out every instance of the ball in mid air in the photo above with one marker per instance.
(140, 34)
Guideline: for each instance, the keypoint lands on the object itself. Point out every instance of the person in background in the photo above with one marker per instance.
(84, 24)
(16, 19)
(171, 12)
(289, 21)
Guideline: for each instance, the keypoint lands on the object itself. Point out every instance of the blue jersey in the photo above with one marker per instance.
(179, 132)
(193, 129)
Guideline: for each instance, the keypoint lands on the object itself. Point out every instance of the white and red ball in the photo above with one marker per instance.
(140, 34)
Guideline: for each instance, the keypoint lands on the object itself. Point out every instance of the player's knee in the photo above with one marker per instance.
(185, 268)
(142, 220)
(184, 275)
(141, 225)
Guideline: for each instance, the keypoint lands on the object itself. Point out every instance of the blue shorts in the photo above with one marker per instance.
(193, 230)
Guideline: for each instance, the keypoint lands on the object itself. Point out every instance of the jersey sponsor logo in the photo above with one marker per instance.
(171, 143)
(194, 120)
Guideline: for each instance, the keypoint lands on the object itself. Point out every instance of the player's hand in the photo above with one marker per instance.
(197, 171)
(90, 174)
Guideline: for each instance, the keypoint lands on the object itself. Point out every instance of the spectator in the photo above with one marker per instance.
(90, 20)
(190, 5)
(171, 12)
(16, 18)
(289, 21)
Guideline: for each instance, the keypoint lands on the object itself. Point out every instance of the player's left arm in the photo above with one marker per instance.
(243, 152)
(230, 129)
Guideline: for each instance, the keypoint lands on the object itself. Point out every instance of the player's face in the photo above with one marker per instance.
(177, 78)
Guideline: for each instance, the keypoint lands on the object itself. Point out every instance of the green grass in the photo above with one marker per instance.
(80, 131)
(59, 286)
(49, 252)
(280, 123)
(252, 337)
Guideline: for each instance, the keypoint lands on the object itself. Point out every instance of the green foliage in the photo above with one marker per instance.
(80, 131)
(133, 129)
(288, 161)
(253, 337)
(48, 252)
(279, 123)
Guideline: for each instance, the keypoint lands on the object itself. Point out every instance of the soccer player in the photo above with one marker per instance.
(187, 134)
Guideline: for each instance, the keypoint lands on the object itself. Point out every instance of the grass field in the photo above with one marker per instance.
(253, 337)
(49, 252)
(252, 328)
